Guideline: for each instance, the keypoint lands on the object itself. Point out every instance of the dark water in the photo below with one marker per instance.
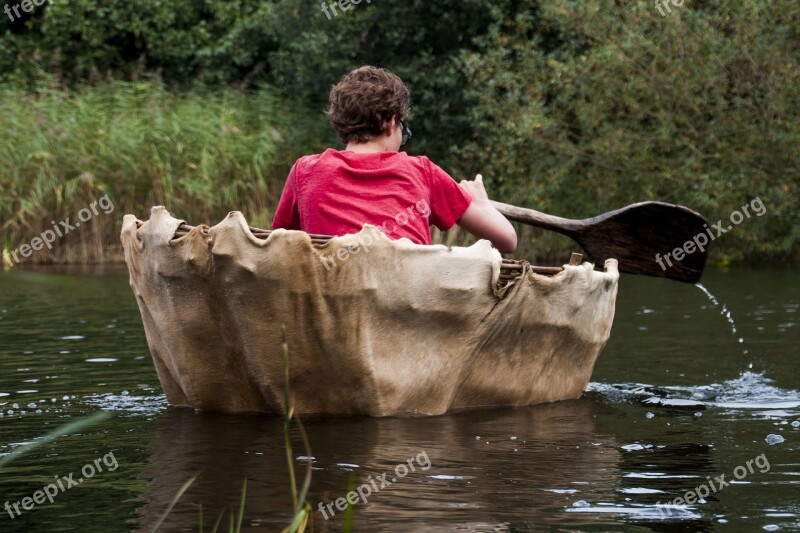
(681, 395)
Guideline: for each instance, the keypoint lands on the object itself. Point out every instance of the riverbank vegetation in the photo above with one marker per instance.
(201, 153)
(570, 108)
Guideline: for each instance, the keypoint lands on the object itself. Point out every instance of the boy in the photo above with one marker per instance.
(371, 181)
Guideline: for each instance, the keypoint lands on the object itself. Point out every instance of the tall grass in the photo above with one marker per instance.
(201, 154)
(69, 428)
(301, 507)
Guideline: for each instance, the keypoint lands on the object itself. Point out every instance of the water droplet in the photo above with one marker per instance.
(774, 439)
(724, 311)
(581, 503)
(698, 414)
(513, 438)
(649, 415)
(796, 424)
(477, 437)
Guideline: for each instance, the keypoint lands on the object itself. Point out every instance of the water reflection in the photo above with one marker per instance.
(498, 468)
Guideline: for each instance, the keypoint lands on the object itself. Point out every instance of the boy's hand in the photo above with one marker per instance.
(484, 221)
(475, 189)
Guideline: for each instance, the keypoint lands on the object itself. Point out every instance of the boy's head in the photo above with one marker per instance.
(364, 102)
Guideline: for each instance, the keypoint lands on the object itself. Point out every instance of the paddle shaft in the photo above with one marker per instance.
(565, 226)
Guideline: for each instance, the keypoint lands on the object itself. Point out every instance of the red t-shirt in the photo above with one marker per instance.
(337, 192)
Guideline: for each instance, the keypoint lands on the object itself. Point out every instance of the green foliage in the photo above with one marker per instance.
(184, 41)
(573, 108)
(590, 106)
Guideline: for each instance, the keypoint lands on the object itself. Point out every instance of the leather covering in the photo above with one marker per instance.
(373, 326)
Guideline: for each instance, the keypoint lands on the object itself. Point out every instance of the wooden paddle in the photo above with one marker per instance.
(639, 236)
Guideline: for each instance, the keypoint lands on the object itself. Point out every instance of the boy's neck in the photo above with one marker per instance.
(369, 147)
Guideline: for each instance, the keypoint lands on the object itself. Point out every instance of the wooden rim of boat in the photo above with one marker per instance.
(510, 269)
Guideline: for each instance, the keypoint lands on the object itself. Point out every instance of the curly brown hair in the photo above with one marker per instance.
(364, 101)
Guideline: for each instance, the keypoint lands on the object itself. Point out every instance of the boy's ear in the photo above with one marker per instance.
(390, 126)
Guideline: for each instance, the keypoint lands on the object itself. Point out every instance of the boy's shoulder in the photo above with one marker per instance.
(332, 161)
(332, 154)
(310, 159)
(419, 159)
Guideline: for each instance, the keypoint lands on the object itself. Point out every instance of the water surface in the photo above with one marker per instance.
(689, 388)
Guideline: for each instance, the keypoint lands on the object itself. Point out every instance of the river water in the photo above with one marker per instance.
(697, 391)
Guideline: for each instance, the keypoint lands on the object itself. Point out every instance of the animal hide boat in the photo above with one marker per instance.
(374, 326)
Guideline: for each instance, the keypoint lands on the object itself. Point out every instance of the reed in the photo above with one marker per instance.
(69, 428)
(302, 514)
(200, 153)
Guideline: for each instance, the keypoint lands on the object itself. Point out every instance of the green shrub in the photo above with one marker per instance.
(591, 106)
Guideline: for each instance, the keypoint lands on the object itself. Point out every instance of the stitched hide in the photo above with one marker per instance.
(373, 326)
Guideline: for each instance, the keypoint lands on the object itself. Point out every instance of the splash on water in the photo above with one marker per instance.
(145, 404)
(637, 511)
(750, 390)
(724, 311)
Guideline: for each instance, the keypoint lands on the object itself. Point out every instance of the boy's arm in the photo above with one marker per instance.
(484, 221)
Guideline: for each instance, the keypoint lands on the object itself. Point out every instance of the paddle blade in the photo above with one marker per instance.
(644, 237)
